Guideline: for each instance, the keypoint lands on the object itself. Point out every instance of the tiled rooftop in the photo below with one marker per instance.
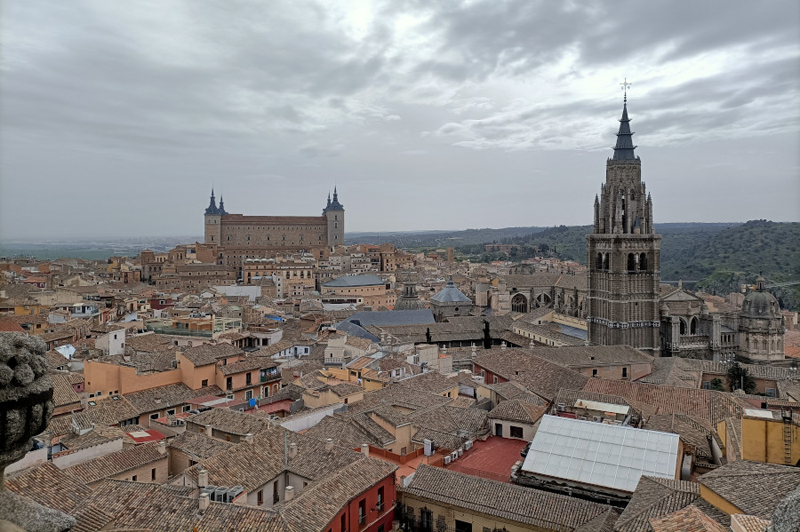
(115, 463)
(515, 503)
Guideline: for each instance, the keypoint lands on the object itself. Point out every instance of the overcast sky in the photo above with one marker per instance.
(117, 117)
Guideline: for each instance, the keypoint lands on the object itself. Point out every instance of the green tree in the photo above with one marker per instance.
(739, 378)
(716, 384)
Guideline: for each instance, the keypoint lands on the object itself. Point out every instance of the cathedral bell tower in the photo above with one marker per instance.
(624, 254)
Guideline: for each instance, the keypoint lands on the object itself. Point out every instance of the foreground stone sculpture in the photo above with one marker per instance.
(26, 405)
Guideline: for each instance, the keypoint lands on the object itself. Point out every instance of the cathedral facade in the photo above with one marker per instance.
(624, 254)
(236, 237)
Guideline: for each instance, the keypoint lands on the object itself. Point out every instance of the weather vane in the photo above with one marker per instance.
(625, 86)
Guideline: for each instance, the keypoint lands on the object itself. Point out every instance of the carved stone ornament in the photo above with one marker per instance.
(26, 405)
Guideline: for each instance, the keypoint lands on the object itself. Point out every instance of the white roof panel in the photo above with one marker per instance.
(753, 412)
(603, 455)
(602, 407)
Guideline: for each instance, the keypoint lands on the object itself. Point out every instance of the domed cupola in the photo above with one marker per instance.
(759, 303)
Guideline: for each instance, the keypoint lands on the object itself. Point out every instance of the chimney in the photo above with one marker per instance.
(329, 444)
(204, 502)
(292, 450)
(248, 438)
(365, 449)
(162, 447)
(289, 493)
(202, 477)
(402, 481)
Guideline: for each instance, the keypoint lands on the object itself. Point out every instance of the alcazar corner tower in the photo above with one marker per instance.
(624, 254)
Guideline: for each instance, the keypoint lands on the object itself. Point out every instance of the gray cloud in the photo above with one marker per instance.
(109, 108)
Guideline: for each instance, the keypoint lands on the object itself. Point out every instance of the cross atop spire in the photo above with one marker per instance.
(625, 86)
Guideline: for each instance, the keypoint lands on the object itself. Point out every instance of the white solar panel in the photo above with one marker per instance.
(603, 455)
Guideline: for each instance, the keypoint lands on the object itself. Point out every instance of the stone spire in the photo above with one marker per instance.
(334, 205)
(222, 210)
(212, 205)
(624, 148)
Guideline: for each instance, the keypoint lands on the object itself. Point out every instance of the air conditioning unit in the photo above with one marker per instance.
(447, 460)
(560, 407)
(597, 419)
(583, 418)
(468, 445)
(234, 492)
(460, 451)
(220, 494)
(209, 490)
(454, 456)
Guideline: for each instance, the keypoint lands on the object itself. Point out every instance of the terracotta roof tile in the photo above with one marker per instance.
(115, 463)
(205, 354)
(688, 519)
(49, 486)
(517, 410)
(537, 375)
(755, 488)
(515, 503)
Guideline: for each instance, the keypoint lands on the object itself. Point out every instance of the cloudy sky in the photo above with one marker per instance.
(117, 117)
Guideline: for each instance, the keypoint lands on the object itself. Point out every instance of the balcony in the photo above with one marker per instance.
(694, 341)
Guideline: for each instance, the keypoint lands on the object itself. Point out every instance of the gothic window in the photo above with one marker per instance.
(605, 261)
(599, 262)
(519, 303)
(693, 326)
(683, 326)
(642, 262)
(631, 262)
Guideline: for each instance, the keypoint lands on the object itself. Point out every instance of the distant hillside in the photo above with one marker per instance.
(718, 258)
(737, 255)
(438, 239)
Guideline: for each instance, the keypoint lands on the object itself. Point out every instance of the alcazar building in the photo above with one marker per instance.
(236, 237)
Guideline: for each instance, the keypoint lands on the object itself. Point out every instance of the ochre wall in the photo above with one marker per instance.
(718, 502)
(762, 441)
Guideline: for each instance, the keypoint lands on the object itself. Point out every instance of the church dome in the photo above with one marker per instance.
(450, 294)
(760, 303)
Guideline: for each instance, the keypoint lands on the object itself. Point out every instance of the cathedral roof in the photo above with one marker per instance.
(623, 151)
(450, 294)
